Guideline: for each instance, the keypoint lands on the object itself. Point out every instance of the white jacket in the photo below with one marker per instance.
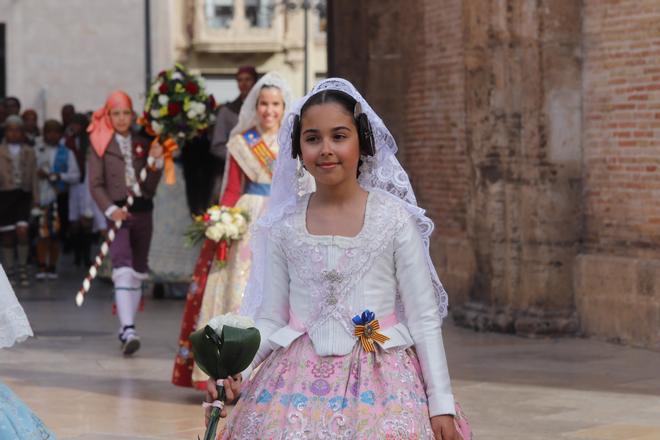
(316, 284)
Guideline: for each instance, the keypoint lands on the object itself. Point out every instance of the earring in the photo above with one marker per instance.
(300, 178)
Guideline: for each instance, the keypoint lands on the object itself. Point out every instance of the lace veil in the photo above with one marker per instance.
(381, 172)
(247, 118)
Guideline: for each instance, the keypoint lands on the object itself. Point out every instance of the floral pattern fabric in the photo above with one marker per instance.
(297, 394)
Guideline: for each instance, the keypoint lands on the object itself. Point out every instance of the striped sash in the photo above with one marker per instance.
(261, 152)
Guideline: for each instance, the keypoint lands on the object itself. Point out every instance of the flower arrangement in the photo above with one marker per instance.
(222, 225)
(177, 105)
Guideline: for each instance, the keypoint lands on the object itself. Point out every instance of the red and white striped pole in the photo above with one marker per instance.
(105, 247)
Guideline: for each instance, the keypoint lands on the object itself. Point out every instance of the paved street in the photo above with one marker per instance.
(73, 376)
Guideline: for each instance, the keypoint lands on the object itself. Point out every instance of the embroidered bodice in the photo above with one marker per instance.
(316, 284)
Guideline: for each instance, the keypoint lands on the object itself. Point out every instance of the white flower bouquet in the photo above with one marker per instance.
(222, 225)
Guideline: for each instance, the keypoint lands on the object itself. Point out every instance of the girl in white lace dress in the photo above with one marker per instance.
(343, 290)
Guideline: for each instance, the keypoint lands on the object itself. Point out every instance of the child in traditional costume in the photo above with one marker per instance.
(19, 192)
(251, 151)
(343, 290)
(114, 166)
(57, 168)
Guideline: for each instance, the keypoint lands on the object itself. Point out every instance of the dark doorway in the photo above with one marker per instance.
(3, 62)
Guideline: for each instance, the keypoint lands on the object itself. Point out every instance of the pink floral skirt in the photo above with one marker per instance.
(297, 394)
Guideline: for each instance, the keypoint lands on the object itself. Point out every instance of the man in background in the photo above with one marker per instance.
(227, 116)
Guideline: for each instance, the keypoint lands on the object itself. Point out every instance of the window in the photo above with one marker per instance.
(219, 13)
(322, 10)
(259, 13)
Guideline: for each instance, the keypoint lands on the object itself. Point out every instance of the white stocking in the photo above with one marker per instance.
(124, 294)
(136, 291)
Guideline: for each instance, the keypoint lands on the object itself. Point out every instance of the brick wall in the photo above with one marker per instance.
(622, 126)
(618, 277)
(530, 131)
(407, 59)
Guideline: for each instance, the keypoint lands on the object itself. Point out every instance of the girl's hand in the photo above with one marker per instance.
(156, 150)
(232, 390)
(119, 214)
(444, 428)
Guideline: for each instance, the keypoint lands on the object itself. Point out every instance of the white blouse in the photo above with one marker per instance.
(316, 284)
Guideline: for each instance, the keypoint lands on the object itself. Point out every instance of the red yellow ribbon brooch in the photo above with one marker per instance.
(366, 328)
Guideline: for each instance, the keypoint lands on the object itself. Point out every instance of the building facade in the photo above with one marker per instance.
(76, 51)
(531, 134)
(214, 37)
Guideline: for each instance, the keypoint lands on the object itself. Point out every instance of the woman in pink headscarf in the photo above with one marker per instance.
(115, 163)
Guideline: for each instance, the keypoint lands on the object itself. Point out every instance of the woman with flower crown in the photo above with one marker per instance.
(343, 290)
(251, 152)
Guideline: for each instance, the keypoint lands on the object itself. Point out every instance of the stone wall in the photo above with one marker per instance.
(528, 129)
(486, 116)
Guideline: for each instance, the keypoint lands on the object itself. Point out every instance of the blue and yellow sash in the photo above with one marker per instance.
(261, 152)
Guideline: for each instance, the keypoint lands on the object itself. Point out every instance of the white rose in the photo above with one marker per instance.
(240, 220)
(191, 114)
(220, 230)
(177, 76)
(199, 107)
(215, 232)
(163, 99)
(232, 232)
(215, 215)
(155, 114)
(158, 129)
(226, 218)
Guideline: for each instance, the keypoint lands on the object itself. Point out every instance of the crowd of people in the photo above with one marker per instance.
(334, 269)
(46, 205)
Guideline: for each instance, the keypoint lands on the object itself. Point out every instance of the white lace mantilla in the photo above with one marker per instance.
(330, 288)
(381, 172)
